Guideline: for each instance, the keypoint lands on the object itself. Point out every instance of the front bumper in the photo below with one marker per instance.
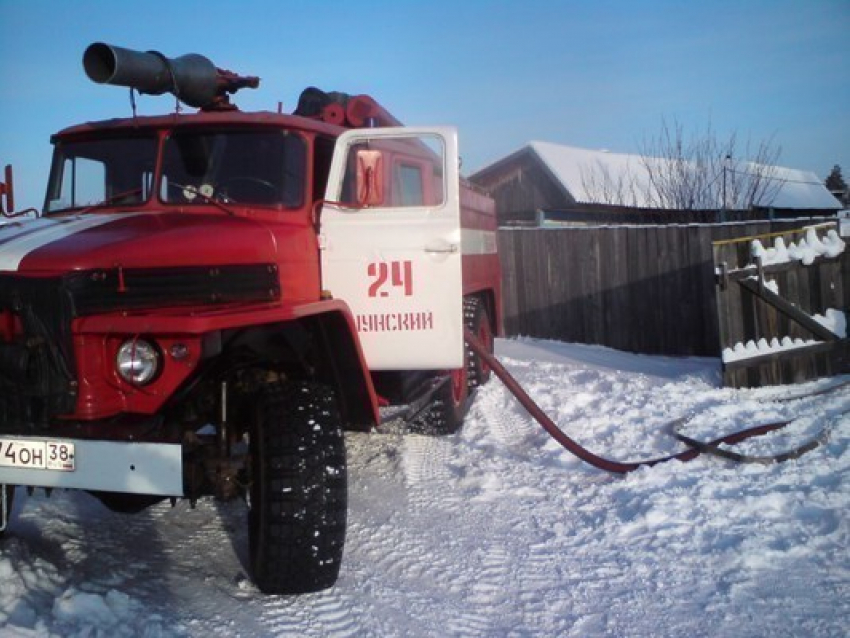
(109, 466)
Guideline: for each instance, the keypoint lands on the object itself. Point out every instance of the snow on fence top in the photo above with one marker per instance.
(805, 251)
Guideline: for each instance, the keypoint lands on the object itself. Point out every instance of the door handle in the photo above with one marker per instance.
(441, 247)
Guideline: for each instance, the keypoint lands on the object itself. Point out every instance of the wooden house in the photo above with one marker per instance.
(570, 184)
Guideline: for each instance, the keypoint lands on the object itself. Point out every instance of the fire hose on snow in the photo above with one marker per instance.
(619, 467)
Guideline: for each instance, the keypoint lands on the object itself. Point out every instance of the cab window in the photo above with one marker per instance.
(113, 171)
(394, 172)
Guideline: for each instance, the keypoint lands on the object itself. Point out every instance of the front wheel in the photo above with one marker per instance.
(298, 491)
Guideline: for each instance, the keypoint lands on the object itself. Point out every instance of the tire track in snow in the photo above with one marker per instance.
(427, 458)
(506, 421)
(483, 608)
(327, 613)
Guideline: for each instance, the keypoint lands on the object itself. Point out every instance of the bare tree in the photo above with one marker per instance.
(751, 178)
(697, 171)
(679, 168)
(701, 171)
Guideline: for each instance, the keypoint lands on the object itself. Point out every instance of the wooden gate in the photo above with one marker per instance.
(783, 301)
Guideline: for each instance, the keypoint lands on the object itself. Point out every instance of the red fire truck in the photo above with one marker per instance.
(209, 299)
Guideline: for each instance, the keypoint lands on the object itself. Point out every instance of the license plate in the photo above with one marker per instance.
(37, 455)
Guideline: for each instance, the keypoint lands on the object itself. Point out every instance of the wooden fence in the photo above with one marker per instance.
(647, 289)
(774, 309)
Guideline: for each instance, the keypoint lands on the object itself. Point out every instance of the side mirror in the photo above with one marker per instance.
(7, 192)
(370, 178)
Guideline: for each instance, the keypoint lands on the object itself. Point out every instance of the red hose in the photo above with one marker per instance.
(583, 453)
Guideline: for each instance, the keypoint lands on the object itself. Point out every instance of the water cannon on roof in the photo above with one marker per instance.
(193, 79)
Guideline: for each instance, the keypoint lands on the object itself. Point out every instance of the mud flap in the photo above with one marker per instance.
(5, 506)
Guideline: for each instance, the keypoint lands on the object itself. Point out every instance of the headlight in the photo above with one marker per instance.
(137, 361)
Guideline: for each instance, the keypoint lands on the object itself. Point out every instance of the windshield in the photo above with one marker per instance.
(118, 171)
(256, 167)
(252, 167)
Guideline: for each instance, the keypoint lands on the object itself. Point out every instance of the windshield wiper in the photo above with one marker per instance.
(110, 200)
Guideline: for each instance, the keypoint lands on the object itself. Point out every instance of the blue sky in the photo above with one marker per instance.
(591, 74)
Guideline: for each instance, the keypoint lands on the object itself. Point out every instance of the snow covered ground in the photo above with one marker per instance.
(495, 531)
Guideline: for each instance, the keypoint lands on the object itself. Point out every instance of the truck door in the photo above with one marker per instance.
(390, 244)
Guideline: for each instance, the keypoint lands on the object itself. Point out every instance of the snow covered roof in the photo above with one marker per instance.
(803, 189)
(618, 178)
(575, 168)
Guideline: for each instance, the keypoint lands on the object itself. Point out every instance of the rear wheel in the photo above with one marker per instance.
(446, 414)
(449, 404)
(298, 491)
(477, 321)
(451, 401)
